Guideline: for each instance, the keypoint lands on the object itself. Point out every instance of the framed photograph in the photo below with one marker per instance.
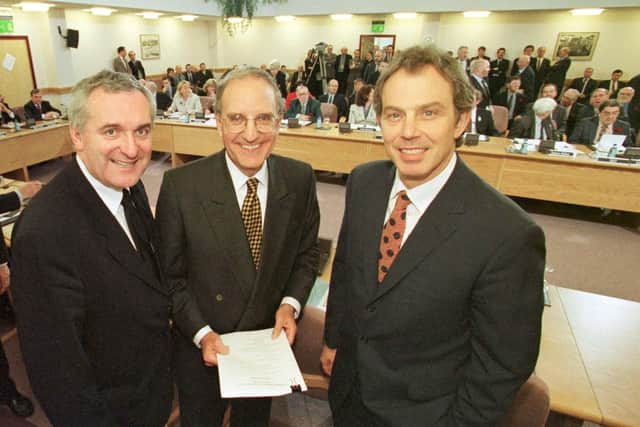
(150, 46)
(581, 45)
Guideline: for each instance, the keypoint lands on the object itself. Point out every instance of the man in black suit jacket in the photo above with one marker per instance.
(333, 96)
(589, 131)
(279, 77)
(203, 75)
(573, 109)
(559, 113)
(434, 318)
(598, 96)
(92, 307)
(614, 84)
(585, 85)
(511, 97)
(224, 278)
(527, 51)
(304, 107)
(372, 70)
(190, 74)
(478, 72)
(498, 73)
(481, 119)
(38, 109)
(136, 66)
(558, 70)
(343, 66)
(540, 66)
(527, 77)
(536, 123)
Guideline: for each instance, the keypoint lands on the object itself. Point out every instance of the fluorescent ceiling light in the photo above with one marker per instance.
(188, 18)
(285, 18)
(341, 17)
(476, 14)
(586, 12)
(405, 15)
(101, 11)
(149, 15)
(34, 6)
(234, 19)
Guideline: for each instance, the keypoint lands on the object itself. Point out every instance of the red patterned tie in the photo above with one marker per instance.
(392, 233)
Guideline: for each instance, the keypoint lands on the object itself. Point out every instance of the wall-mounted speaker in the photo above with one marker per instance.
(73, 37)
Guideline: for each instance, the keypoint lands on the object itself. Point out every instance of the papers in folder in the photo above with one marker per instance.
(258, 366)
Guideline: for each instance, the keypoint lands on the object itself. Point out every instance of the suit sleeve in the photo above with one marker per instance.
(50, 299)
(291, 111)
(578, 136)
(173, 242)
(517, 128)
(9, 202)
(506, 319)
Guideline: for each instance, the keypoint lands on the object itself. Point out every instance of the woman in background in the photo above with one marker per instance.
(362, 112)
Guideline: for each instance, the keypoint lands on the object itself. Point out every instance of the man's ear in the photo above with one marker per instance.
(76, 138)
(462, 123)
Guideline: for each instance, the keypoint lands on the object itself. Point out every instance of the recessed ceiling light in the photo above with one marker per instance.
(101, 11)
(285, 18)
(405, 15)
(34, 6)
(188, 18)
(586, 12)
(149, 15)
(341, 17)
(476, 14)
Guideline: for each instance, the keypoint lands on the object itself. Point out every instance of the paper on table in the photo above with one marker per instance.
(258, 366)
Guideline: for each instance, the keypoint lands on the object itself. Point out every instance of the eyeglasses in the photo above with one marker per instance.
(236, 123)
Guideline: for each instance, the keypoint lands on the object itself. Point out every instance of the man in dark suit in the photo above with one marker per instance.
(372, 70)
(540, 66)
(573, 109)
(92, 307)
(559, 113)
(38, 109)
(527, 77)
(478, 72)
(136, 66)
(9, 395)
(203, 75)
(498, 73)
(480, 119)
(589, 131)
(558, 70)
(304, 107)
(435, 303)
(240, 252)
(279, 77)
(527, 51)
(343, 66)
(536, 123)
(585, 85)
(598, 96)
(190, 74)
(333, 96)
(614, 84)
(6, 113)
(511, 97)
(481, 54)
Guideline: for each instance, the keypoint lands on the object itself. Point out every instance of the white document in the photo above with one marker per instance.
(607, 141)
(8, 62)
(258, 366)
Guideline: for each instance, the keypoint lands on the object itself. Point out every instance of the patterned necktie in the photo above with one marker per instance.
(392, 233)
(252, 219)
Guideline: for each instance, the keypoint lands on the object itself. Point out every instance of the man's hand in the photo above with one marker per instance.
(4, 277)
(327, 357)
(29, 189)
(285, 319)
(212, 345)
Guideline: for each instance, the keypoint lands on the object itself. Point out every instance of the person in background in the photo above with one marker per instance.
(136, 66)
(574, 110)
(162, 100)
(363, 112)
(39, 109)
(557, 73)
(203, 75)
(537, 122)
(279, 77)
(304, 107)
(590, 130)
(185, 100)
(120, 64)
(6, 113)
(333, 96)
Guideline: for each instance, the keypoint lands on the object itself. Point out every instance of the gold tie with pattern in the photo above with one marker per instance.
(252, 219)
(392, 233)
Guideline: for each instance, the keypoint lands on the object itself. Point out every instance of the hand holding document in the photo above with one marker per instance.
(258, 366)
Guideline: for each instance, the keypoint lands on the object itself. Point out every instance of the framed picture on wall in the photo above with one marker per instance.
(150, 46)
(581, 45)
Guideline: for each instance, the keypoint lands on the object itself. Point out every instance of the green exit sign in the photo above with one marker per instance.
(6, 24)
(377, 26)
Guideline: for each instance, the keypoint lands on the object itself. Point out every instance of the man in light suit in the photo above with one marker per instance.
(120, 64)
(241, 251)
(588, 131)
(304, 107)
(434, 318)
(92, 307)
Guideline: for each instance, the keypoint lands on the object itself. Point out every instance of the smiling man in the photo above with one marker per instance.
(91, 306)
(239, 236)
(435, 299)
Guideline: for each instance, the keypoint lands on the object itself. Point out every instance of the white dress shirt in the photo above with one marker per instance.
(420, 196)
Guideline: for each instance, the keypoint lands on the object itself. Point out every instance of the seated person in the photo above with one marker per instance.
(589, 130)
(625, 95)
(304, 107)
(161, 98)
(536, 123)
(209, 90)
(167, 88)
(292, 95)
(573, 109)
(592, 109)
(511, 97)
(481, 119)
(362, 112)
(559, 115)
(6, 112)
(185, 101)
(38, 109)
(334, 97)
(357, 84)
(203, 76)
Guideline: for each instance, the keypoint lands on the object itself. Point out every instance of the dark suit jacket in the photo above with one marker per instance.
(575, 115)
(342, 76)
(201, 78)
(163, 101)
(528, 83)
(498, 74)
(5, 116)
(31, 112)
(93, 317)
(281, 81)
(558, 73)
(8, 202)
(605, 85)
(486, 93)
(542, 72)
(502, 98)
(340, 102)
(190, 77)
(313, 109)
(578, 83)
(370, 75)
(586, 129)
(559, 117)
(453, 331)
(524, 126)
(137, 69)
(484, 123)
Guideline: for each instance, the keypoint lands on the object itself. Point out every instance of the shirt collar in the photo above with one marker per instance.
(238, 178)
(110, 197)
(423, 195)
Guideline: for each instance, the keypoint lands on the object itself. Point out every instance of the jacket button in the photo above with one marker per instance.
(219, 297)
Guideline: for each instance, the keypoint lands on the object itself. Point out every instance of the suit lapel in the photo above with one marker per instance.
(220, 206)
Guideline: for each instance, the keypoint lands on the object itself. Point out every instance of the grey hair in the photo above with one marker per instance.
(544, 105)
(245, 72)
(110, 82)
(476, 64)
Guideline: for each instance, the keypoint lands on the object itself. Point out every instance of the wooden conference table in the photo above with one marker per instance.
(579, 181)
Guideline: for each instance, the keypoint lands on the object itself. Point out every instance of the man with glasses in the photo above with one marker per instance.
(238, 245)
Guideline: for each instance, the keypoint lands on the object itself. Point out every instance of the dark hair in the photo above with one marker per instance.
(363, 95)
(34, 91)
(529, 46)
(609, 103)
(121, 48)
(501, 48)
(482, 47)
(202, 63)
(618, 70)
(512, 78)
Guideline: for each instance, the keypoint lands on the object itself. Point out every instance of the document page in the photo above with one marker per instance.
(258, 366)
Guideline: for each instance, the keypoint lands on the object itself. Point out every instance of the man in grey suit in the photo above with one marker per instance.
(435, 302)
(239, 236)
(120, 64)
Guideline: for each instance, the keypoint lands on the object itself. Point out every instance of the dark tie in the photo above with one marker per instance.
(512, 104)
(138, 227)
(541, 130)
(486, 93)
(330, 99)
(392, 233)
(252, 219)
